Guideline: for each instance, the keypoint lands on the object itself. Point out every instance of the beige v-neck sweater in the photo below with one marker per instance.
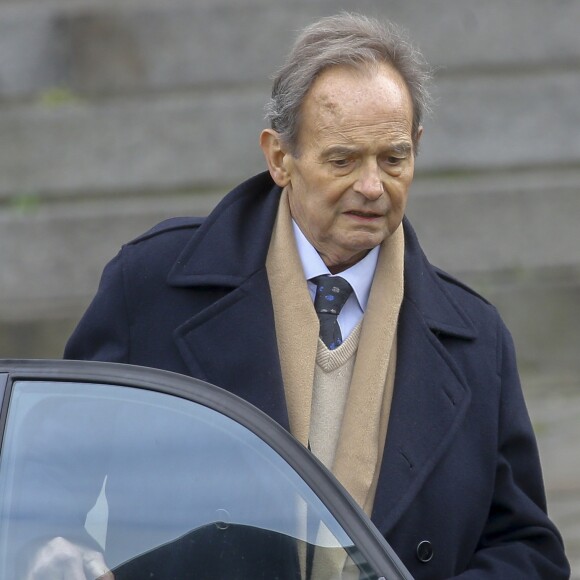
(364, 422)
(331, 385)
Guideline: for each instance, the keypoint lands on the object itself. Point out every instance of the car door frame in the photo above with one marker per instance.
(348, 514)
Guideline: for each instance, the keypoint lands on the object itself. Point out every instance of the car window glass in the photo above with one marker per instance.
(159, 484)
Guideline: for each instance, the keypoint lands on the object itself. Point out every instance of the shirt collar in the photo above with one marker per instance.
(360, 276)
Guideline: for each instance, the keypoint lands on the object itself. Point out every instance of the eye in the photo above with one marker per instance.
(392, 160)
(341, 162)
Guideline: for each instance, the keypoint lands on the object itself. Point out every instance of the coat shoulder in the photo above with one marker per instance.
(460, 290)
(175, 227)
(154, 252)
(165, 240)
(476, 310)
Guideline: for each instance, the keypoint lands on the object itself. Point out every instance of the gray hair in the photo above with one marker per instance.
(345, 39)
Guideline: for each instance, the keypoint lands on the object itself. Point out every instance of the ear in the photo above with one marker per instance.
(419, 133)
(417, 139)
(275, 155)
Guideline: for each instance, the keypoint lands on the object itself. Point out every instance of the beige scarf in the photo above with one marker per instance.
(364, 426)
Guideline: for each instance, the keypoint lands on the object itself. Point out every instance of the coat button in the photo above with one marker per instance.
(424, 551)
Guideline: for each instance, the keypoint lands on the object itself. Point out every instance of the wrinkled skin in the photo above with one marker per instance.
(349, 177)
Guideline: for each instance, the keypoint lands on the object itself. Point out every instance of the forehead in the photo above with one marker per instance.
(346, 101)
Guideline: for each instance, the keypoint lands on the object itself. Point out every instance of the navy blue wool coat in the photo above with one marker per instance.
(460, 467)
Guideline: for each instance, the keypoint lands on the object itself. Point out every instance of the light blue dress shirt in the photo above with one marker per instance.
(360, 277)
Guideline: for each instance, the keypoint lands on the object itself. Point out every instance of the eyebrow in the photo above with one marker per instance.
(339, 150)
(400, 148)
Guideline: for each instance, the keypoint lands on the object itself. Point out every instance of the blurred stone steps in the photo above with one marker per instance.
(115, 114)
(137, 45)
(494, 220)
(554, 403)
(187, 139)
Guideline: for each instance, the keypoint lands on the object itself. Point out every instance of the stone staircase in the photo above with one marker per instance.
(115, 114)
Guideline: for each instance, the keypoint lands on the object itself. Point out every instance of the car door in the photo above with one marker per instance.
(168, 477)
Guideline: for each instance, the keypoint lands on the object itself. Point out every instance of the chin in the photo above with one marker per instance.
(368, 242)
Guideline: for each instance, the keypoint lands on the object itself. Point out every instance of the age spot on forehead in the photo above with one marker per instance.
(326, 101)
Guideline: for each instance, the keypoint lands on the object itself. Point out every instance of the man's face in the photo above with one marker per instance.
(348, 181)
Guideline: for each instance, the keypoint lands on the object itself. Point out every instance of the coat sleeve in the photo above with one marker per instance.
(103, 333)
(518, 541)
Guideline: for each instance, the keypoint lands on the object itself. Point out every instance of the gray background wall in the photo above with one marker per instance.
(115, 114)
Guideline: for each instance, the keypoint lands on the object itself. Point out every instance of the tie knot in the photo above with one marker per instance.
(331, 294)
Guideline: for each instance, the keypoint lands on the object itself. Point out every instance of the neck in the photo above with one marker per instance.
(337, 268)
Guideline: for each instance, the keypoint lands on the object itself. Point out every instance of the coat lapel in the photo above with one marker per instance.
(232, 341)
(431, 395)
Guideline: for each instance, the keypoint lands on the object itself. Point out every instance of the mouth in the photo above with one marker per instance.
(365, 215)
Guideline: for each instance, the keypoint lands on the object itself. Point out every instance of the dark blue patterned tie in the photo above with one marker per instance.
(331, 294)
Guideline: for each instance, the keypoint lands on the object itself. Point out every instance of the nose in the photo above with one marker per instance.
(369, 182)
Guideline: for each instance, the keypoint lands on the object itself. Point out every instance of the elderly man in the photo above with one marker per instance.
(398, 377)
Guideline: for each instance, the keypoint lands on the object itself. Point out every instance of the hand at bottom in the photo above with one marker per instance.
(60, 559)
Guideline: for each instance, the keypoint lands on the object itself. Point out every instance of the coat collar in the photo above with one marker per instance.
(238, 230)
(231, 342)
(425, 290)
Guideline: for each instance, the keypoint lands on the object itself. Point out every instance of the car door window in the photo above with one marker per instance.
(163, 486)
